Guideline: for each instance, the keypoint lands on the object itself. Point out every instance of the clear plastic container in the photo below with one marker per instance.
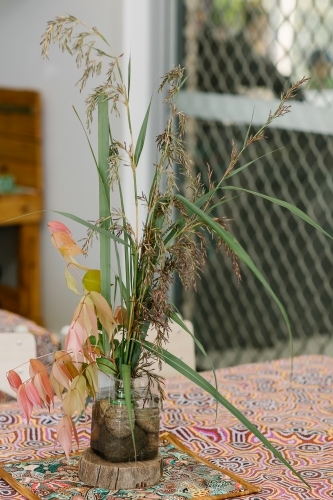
(111, 436)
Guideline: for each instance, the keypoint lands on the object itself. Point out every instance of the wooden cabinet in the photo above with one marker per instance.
(20, 157)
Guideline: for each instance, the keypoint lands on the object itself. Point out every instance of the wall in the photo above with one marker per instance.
(136, 27)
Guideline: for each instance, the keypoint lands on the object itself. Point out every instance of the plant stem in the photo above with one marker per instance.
(104, 206)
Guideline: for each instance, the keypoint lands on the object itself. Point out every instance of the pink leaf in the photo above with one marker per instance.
(40, 379)
(75, 435)
(55, 226)
(33, 395)
(24, 402)
(40, 388)
(75, 339)
(14, 380)
(64, 434)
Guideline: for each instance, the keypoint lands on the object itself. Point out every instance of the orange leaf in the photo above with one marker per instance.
(71, 368)
(47, 386)
(120, 315)
(64, 434)
(14, 380)
(35, 367)
(63, 377)
(39, 376)
(54, 226)
(33, 395)
(70, 249)
(62, 355)
(60, 239)
(24, 402)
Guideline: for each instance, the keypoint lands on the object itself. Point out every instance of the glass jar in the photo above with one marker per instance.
(111, 436)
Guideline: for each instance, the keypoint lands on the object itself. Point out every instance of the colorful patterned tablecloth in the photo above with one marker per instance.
(297, 417)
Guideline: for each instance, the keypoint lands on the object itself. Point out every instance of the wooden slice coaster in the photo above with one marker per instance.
(95, 471)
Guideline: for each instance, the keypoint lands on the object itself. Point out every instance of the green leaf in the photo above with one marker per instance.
(106, 366)
(142, 137)
(239, 250)
(195, 377)
(92, 280)
(104, 181)
(91, 226)
(181, 221)
(288, 206)
(104, 204)
(248, 130)
(234, 172)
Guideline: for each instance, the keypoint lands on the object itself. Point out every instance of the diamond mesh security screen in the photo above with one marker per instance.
(252, 49)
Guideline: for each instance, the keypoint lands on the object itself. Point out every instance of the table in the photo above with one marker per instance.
(296, 417)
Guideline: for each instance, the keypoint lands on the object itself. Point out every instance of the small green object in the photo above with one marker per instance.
(7, 183)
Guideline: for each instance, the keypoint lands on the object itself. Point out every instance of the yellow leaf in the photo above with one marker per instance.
(92, 376)
(70, 249)
(58, 388)
(71, 281)
(92, 281)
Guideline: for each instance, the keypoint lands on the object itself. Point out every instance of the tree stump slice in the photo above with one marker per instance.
(96, 471)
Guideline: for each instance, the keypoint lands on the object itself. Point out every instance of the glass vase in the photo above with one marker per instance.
(111, 436)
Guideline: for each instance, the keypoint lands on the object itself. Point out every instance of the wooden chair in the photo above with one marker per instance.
(19, 347)
(20, 157)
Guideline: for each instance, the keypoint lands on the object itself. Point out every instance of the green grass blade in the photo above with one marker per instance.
(105, 184)
(239, 250)
(126, 378)
(181, 221)
(142, 136)
(285, 204)
(104, 205)
(195, 377)
(234, 172)
(91, 226)
(248, 130)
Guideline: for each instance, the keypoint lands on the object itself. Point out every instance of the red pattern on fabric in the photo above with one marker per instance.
(296, 417)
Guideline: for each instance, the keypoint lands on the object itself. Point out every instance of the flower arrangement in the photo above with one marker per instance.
(119, 302)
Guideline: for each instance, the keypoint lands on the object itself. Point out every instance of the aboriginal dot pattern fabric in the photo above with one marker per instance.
(296, 416)
(184, 477)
